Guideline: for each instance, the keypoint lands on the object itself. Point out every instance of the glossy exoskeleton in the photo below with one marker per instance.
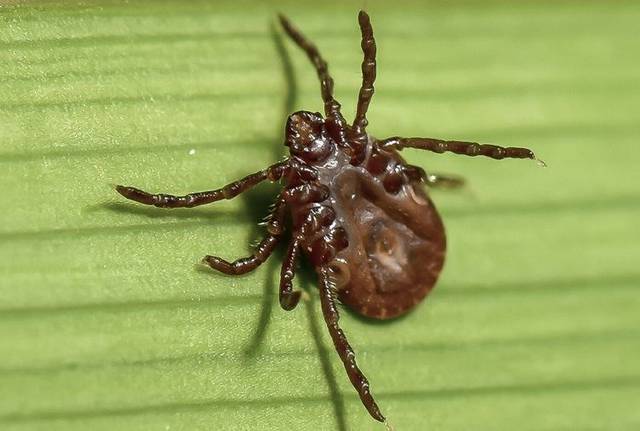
(358, 211)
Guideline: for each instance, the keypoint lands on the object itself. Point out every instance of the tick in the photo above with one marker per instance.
(357, 210)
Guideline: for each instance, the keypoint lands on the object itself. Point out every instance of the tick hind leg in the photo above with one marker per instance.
(416, 173)
(262, 251)
(331, 106)
(272, 173)
(345, 351)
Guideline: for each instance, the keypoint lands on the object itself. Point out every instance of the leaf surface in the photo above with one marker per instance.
(106, 324)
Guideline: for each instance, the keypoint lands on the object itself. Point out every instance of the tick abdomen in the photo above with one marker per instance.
(374, 227)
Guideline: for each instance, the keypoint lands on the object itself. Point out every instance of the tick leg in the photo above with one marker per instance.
(459, 147)
(245, 264)
(263, 250)
(272, 173)
(445, 181)
(306, 193)
(288, 297)
(416, 173)
(276, 219)
(368, 45)
(346, 353)
(331, 106)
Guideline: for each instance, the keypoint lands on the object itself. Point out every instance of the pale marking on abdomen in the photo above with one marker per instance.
(391, 254)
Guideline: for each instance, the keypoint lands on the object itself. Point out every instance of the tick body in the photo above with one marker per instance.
(357, 210)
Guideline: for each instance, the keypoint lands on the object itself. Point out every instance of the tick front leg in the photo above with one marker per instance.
(458, 147)
(272, 173)
(289, 298)
(346, 353)
(368, 45)
(331, 105)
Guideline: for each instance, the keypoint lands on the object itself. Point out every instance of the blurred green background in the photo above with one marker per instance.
(105, 323)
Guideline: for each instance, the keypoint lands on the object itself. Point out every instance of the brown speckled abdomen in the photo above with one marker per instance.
(396, 245)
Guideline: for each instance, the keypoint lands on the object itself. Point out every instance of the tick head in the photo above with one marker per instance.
(306, 136)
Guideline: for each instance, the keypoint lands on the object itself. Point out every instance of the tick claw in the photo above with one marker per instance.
(289, 301)
(540, 162)
(210, 261)
(125, 191)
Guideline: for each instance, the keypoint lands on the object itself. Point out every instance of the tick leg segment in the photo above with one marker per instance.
(272, 173)
(245, 264)
(331, 106)
(276, 219)
(416, 173)
(368, 45)
(459, 147)
(306, 193)
(445, 181)
(288, 297)
(275, 226)
(346, 353)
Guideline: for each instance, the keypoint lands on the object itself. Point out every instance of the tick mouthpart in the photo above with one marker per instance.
(304, 124)
(307, 137)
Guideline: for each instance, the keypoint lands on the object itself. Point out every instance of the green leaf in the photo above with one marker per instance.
(106, 324)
